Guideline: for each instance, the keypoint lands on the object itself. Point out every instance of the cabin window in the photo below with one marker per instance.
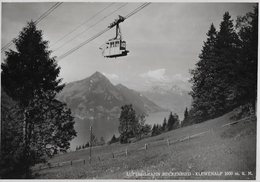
(123, 44)
(112, 44)
(117, 43)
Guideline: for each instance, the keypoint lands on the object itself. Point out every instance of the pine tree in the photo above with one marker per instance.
(30, 78)
(87, 145)
(159, 129)
(113, 140)
(203, 78)
(164, 125)
(186, 114)
(246, 88)
(154, 130)
(226, 75)
(227, 49)
(170, 122)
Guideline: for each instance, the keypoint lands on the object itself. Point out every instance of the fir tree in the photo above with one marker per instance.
(170, 123)
(30, 78)
(203, 78)
(154, 130)
(186, 114)
(227, 49)
(246, 88)
(87, 145)
(164, 125)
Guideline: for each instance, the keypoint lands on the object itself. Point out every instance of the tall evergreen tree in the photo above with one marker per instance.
(30, 78)
(154, 130)
(113, 140)
(164, 125)
(170, 122)
(246, 88)
(227, 49)
(203, 78)
(186, 113)
(226, 74)
(87, 145)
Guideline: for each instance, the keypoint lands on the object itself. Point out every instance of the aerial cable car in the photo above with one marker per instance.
(115, 47)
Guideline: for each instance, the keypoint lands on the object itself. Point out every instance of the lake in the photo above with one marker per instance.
(106, 128)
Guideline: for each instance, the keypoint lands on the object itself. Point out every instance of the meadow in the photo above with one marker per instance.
(223, 153)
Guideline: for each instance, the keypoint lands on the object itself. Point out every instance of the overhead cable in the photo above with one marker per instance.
(90, 27)
(82, 24)
(48, 12)
(37, 21)
(100, 33)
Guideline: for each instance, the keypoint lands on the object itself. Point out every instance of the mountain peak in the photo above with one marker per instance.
(97, 74)
(175, 87)
(157, 89)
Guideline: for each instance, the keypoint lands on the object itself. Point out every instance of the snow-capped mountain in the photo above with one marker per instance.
(174, 99)
(157, 89)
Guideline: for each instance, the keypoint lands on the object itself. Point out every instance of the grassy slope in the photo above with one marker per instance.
(227, 149)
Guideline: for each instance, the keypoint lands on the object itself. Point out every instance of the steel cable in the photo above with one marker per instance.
(97, 35)
(37, 21)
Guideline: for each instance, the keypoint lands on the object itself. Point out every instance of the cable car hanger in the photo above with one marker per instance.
(115, 47)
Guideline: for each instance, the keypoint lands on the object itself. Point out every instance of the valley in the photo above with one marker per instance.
(95, 101)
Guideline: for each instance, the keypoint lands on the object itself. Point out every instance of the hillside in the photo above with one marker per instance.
(223, 153)
(96, 97)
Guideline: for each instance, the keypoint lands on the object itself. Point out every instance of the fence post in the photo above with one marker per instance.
(168, 142)
(125, 151)
(99, 158)
(113, 155)
(188, 136)
(145, 146)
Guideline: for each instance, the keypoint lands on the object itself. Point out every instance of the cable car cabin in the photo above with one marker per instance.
(115, 48)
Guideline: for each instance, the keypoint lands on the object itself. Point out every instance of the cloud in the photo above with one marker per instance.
(115, 79)
(156, 76)
(179, 77)
(111, 76)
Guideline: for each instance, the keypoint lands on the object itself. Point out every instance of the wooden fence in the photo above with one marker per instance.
(126, 152)
(246, 119)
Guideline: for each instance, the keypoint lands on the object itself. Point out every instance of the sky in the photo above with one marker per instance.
(164, 38)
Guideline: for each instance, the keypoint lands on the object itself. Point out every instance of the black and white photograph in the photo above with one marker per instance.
(129, 90)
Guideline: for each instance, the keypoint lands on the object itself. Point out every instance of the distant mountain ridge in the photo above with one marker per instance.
(96, 97)
(173, 99)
